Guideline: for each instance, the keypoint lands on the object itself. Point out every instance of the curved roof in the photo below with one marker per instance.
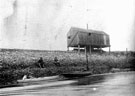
(88, 31)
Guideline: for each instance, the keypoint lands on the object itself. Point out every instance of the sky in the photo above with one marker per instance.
(44, 24)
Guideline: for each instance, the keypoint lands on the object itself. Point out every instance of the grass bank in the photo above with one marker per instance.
(17, 63)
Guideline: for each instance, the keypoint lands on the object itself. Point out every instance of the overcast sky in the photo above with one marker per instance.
(43, 24)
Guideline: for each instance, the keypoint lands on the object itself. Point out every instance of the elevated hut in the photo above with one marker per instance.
(88, 39)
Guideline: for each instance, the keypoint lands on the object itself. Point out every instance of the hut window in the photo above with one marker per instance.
(89, 34)
(69, 37)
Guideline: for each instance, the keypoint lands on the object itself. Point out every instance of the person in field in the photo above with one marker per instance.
(41, 62)
(56, 62)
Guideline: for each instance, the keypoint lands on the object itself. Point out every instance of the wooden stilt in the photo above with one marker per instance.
(100, 49)
(109, 49)
(79, 49)
(85, 50)
(90, 49)
(67, 48)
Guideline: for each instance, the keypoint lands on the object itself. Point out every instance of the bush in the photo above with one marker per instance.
(7, 77)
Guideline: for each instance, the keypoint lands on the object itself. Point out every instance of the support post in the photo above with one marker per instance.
(90, 49)
(100, 49)
(67, 48)
(109, 50)
(79, 49)
(85, 50)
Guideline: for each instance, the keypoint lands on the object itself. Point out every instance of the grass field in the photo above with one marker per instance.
(17, 63)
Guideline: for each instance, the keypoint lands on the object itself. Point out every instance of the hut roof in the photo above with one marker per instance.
(88, 31)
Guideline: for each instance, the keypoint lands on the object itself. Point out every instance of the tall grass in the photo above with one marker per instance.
(22, 62)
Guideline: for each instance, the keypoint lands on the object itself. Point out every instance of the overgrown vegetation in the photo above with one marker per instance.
(17, 63)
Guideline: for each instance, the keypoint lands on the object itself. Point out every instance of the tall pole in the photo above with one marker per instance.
(25, 25)
(90, 49)
(87, 61)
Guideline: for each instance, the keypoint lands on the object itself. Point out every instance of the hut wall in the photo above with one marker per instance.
(107, 40)
(72, 38)
(83, 38)
(93, 39)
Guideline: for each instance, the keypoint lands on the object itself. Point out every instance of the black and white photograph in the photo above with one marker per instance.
(67, 47)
